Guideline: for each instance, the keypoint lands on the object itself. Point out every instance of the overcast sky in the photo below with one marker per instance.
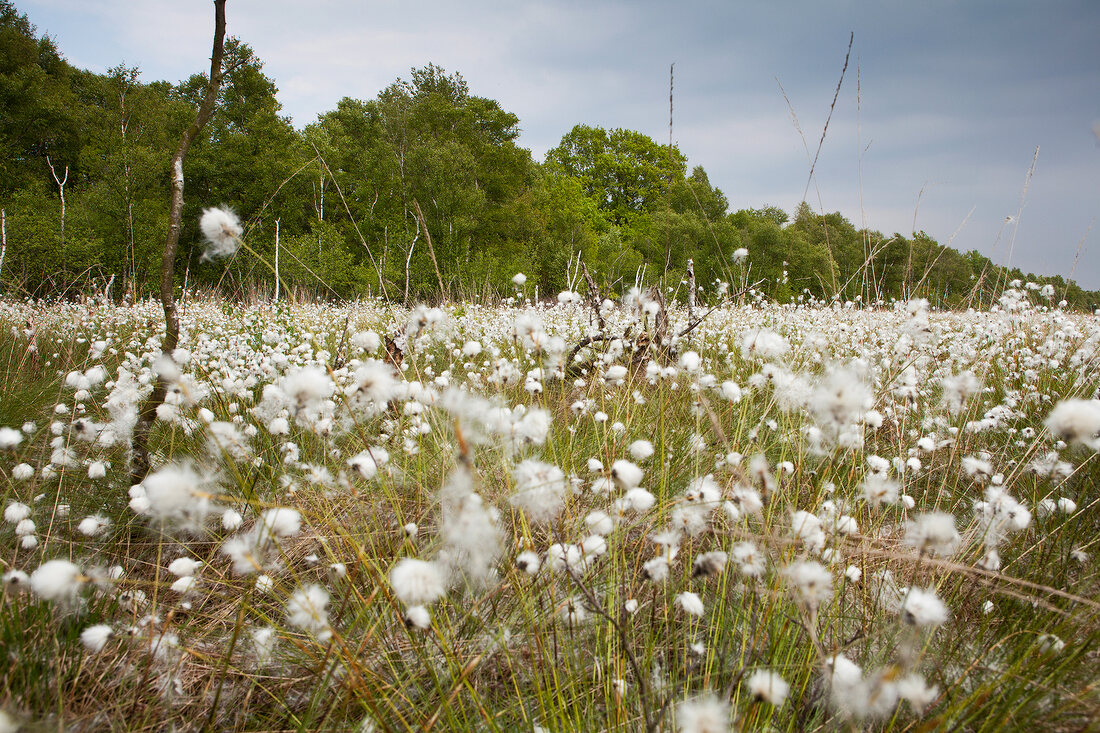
(954, 96)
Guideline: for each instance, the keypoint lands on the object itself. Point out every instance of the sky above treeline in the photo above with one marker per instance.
(936, 126)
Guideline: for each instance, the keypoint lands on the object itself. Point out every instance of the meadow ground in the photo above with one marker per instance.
(561, 517)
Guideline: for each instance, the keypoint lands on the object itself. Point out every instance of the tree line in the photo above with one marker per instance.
(418, 193)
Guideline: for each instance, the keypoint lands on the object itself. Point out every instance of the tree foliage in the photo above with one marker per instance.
(345, 191)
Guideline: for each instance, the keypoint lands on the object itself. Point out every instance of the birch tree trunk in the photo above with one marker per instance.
(140, 466)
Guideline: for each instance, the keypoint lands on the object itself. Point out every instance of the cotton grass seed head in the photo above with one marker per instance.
(767, 686)
(705, 714)
(922, 607)
(417, 582)
(222, 230)
(57, 580)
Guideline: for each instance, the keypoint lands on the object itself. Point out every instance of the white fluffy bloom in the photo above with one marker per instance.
(810, 582)
(56, 580)
(93, 525)
(15, 512)
(280, 522)
(10, 438)
(703, 715)
(768, 686)
(178, 493)
(540, 489)
(263, 644)
(184, 584)
(418, 617)
(626, 474)
(94, 638)
(1076, 420)
(222, 230)
(416, 582)
(690, 603)
(641, 449)
(307, 609)
(933, 532)
(638, 500)
(529, 562)
(923, 608)
(231, 520)
(368, 462)
(764, 343)
(184, 566)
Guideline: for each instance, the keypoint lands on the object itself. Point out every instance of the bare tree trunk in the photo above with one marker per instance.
(61, 188)
(140, 466)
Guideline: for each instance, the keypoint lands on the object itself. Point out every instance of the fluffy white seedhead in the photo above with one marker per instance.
(541, 489)
(703, 715)
(690, 603)
(934, 533)
(16, 512)
(57, 580)
(222, 230)
(416, 582)
(179, 493)
(626, 474)
(810, 582)
(923, 608)
(94, 638)
(768, 686)
(307, 609)
(1076, 421)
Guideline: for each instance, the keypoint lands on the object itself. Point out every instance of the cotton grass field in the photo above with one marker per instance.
(569, 516)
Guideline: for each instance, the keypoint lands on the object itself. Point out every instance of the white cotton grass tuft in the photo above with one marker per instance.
(183, 566)
(933, 533)
(1076, 421)
(690, 603)
(418, 617)
(641, 449)
(529, 562)
(178, 493)
(15, 512)
(417, 582)
(706, 714)
(222, 230)
(57, 580)
(307, 609)
(922, 607)
(768, 686)
(279, 522)
(263, 644)
(94, 638)
(709, 564)
(810, 582)
(626, 474)
(231, 520)
(93, 525)
(541, 489)
(10, 438)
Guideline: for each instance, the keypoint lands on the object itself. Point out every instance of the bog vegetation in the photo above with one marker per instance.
(584, 516)
(787, 494)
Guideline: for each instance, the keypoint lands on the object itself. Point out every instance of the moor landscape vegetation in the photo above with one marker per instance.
(387, 426)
